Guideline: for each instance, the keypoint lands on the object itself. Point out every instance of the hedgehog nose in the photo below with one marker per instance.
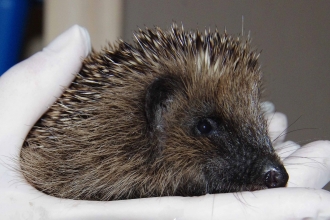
(276, 177)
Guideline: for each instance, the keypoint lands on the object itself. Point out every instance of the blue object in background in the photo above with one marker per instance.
(12, 21)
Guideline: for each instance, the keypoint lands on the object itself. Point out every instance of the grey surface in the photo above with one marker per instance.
(294, 37)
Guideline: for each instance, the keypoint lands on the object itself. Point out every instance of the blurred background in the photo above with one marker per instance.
(293, 37)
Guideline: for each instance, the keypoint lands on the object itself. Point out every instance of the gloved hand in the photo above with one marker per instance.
(30, 87)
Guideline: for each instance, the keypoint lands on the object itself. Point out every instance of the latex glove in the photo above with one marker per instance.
(30, 87)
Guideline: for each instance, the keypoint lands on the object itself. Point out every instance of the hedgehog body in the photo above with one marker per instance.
(174, 114)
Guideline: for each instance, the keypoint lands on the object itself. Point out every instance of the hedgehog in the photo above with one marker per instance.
(175, 113)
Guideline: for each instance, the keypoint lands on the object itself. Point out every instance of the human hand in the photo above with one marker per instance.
(30, 87)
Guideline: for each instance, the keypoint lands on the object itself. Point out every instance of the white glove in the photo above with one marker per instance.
(30, 87)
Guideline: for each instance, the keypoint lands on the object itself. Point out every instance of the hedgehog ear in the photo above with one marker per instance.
(158, 97)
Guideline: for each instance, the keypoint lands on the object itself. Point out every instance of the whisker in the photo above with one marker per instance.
(312, 160)
(299, 129)
(301, 142)
(287, 128)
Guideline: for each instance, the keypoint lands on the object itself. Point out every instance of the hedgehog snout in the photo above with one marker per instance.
(275, 176)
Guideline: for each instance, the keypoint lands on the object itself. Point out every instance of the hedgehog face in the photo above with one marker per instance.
(210, 132)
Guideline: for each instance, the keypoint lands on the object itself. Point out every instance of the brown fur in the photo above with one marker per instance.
(126, 127)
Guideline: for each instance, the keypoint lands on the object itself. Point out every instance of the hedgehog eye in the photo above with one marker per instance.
(204, 126)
